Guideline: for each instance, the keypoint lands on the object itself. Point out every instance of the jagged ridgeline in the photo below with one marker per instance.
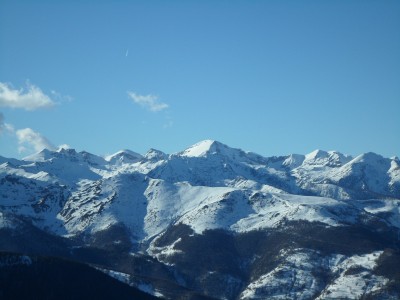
(210, 222)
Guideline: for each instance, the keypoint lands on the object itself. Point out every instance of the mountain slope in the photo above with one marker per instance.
(192, 216)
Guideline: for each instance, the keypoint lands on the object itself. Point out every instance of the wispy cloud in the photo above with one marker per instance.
(30, 98)
(5, 127)
(61, 98)
(29, 140)
(63, 146)
(169, 122)
(149, 102)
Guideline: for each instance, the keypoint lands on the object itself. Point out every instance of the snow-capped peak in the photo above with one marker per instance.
(40, 156)
(339, 158)
(124, 156)
(326, 158)
(293, 161)
(394, 165)
(66, 151)
(316, 154)
(200, 149)
(369, 157)
(64, 146)
(154, 154)
(208, 147)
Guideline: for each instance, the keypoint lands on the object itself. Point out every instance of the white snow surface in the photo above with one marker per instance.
(127, 279)
(123, 277)
(199, 149)
(207, 186)
(163, 252)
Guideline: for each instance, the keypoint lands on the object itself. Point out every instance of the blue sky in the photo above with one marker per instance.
(272, 77)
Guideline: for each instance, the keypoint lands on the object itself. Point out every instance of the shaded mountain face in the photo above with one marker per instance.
(31, 277)
(212, 221)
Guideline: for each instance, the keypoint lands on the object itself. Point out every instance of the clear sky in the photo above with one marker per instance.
(272, 77)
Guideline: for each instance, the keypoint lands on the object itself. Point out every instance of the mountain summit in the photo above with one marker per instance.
(207, 147)
(212, 221)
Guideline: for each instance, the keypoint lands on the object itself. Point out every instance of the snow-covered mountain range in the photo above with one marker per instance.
(213, 221)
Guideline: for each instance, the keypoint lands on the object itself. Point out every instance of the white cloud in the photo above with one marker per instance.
(28, 139)
(30, 98)
(149, 102)
(64, 146)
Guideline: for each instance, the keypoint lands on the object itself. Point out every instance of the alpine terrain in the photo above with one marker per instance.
(210, 222)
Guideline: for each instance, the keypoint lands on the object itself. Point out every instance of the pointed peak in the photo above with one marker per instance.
(326, 158)
(317, 154)
(47, 154)
(42, 155)
(67, 151)
(202, 148)
(339, 157)
(154, 154)
(293, 160)
(124, 156)
(63, 147)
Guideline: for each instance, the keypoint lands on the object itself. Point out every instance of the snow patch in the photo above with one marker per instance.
(355, 278)
(6, 222)
(149, 289)
(162, 252)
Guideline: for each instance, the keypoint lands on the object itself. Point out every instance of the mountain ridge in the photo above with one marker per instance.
(161, 210)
